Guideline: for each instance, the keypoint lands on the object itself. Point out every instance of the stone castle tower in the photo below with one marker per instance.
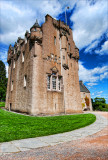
(43, 71)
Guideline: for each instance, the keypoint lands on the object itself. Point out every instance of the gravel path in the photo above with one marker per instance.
(91, 147)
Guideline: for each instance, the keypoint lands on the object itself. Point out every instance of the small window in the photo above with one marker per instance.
(23, 54)
(25, 40)
(25, 81)
(14, 50)
(48, 81)
(69, 47)
(70, 55)
(54, 40)
(49, 58)
(14, 64)
(64, 57)
(55, 59)
(59, 83)
(52, 55)
(54, 82)
(12, 86)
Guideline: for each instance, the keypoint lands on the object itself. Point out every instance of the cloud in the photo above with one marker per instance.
(91, 46)
(92, 76)
(104, 75)
(19, 16)
(90, 22)
(92, 84)
(99, 92)
(104, 49)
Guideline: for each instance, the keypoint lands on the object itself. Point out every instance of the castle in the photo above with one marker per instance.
(43, 71)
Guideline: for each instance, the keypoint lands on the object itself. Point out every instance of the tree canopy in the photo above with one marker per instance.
(3, 81)
(99, 104)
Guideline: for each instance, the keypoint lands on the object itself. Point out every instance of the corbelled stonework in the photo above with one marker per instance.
(43, 71)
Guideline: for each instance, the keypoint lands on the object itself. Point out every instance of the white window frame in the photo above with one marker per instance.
(25, 40)
(25, 81)
(54, 83)
(54, 87)
(23, 56)
(13, 64)
(14, 50)
(59, 83)
(49, 82)
(52, 56)
(12, 86)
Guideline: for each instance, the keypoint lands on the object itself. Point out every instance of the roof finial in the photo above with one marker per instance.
(36, 21)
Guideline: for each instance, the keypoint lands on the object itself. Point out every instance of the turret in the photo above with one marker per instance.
(36, 33)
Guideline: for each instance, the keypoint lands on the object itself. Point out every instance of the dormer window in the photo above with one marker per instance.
(54, 40)
(23, 55)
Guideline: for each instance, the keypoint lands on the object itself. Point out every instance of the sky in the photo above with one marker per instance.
(88, 20)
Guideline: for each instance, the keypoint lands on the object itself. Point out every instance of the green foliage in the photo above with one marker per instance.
(99, 104)
(3, 81)
(87, 101)
(101, 100)
(14, 126)
(83, 105)
(2, 104)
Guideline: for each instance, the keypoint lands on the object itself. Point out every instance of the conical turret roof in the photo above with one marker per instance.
(36, 25)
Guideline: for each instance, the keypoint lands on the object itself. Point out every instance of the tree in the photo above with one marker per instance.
(87, 101)
(101, 100)
(99, 103)
(3, 81)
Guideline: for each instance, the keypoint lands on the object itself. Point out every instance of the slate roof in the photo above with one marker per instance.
(36, 25)
(83, 88)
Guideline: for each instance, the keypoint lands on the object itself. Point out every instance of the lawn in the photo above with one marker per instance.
(2, 104)
(15, 126)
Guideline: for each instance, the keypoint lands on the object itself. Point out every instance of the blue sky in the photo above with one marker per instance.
(88, 20)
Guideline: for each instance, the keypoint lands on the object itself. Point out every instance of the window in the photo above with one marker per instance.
(12, 86)
(59, 83)
(23, 54)
(52, 56)
(55, 59)
(48, 81)
(69, 47)
(14, 64)
(49, 58)
(54, 82)
(64, 57)
(54, 40)
(14, 50)
(25, 81)
(25, 40)
(70, 55)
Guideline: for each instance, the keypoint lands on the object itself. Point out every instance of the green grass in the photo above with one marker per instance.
(14, 126)
(2, 104)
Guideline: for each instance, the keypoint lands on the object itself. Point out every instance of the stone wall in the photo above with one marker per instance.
(49, 50)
